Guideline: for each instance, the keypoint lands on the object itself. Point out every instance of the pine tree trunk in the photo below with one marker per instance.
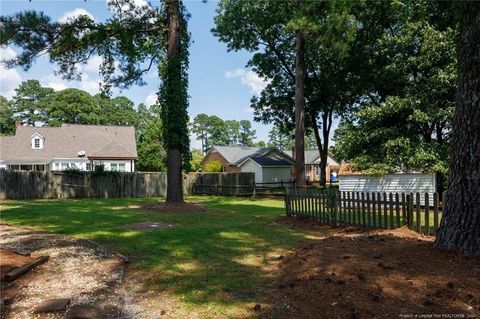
(460, 226)
(300, 108)
(174, 154)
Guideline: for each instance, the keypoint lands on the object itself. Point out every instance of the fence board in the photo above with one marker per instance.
(435, 212)
(427, 214)
(418, 215)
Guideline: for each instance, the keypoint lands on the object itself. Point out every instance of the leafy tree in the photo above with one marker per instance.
(232, 132)
(116, 111)
(138, 38)
(72, 106)
(272, 35)
(197, 156)
(200, 127)
(7, 121)
(460, 226)
(279, 139)
(403, 122)
(212, 130)
(246, 133)
(29, 102)
(260, 144)
(151, 154)
(213, 167)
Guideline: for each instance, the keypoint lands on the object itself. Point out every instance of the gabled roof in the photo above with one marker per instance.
(313, 157)
(69, 139)
(236, 154)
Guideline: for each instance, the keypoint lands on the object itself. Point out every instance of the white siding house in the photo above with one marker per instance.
(393, 183)
(69, 146)
(251, 167)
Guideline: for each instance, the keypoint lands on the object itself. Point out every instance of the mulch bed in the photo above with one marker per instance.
(358, 273)
(184, 207)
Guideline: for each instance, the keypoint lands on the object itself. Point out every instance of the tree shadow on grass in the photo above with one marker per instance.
(212, 265)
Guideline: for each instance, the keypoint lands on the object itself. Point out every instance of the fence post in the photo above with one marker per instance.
(410, 210)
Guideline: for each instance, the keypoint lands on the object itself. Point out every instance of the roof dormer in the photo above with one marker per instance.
(37, 141)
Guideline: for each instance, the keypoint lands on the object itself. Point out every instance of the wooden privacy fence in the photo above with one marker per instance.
(238, 183)
(53, 185)
(379, 210)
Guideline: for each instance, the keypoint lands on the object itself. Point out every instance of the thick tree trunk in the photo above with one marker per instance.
(174, 154)
(460, 227)
(300, 108)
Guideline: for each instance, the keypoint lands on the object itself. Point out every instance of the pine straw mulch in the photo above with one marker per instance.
(361, 273)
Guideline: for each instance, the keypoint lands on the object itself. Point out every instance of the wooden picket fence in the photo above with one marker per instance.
(421, 212)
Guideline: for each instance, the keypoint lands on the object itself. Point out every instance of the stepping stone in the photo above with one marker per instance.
(84, 312)
(52, 305)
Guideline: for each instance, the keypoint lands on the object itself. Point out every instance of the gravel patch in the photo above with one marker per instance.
(79, 270)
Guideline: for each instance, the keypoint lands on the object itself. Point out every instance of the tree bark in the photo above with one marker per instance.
(174, 154)
(460, 227)
(323, 146)
(300, 107)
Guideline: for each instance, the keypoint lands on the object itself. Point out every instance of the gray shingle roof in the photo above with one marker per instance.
(66, 141)
(237, 154)
(313, 157)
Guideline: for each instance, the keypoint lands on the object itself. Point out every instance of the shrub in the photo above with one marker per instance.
(213, 167)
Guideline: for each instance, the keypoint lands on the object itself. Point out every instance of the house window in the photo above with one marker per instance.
(57, 166)
(121, 167)
(36, 143)
(114, 167)
(64, 165)
(89, 167)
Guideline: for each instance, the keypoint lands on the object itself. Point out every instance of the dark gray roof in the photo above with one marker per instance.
(267, 161)
(66, 141)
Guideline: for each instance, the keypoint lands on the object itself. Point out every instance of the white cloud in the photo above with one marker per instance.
(54, 82)
(92, 86)
(151, 99)
(248, 78)
(75, 13)
(248, 109)
(119, 7)
(57, 83)
(9, 78)
(93, 65)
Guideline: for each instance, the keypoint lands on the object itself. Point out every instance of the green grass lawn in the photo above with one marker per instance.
(211, 264)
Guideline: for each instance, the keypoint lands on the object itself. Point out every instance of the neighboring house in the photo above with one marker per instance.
(312, 165)
(269, 164)
(390, 183)
(69, 146)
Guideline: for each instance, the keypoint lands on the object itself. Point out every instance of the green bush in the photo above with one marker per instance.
(213, 167)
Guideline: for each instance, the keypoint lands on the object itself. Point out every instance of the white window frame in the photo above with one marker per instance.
(121, 167)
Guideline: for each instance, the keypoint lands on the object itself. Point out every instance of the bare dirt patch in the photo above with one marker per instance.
(359, 273)
(10, 260)
(185, 207)
(148, 226)
(78, 270)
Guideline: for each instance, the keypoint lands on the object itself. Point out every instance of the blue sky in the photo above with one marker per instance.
(219, 82)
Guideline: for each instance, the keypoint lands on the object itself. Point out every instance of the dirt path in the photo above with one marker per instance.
(83, 272)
